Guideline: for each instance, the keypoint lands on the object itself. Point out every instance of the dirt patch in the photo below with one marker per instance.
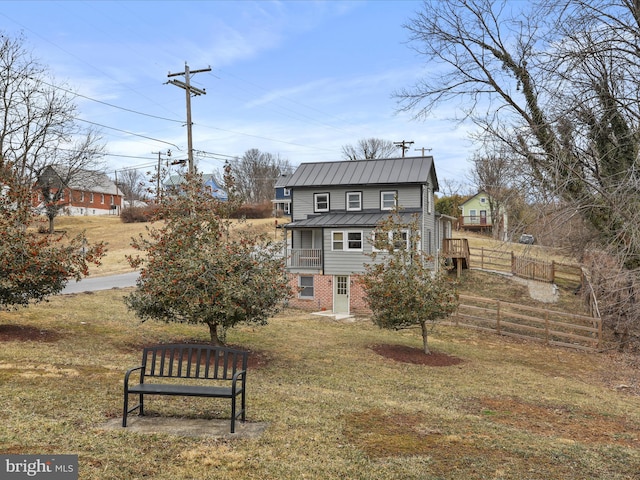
(561, 421)
(406, 354)
(451, 454)
(27, 333)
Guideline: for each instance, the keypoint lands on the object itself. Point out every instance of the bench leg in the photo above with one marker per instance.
(125, 409)
(233, 414)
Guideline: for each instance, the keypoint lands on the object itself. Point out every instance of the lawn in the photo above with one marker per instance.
(333, 407)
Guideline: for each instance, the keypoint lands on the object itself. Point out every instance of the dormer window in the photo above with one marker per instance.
(320, 202)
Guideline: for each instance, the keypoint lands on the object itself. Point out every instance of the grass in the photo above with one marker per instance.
(118, 235)
(334, 408)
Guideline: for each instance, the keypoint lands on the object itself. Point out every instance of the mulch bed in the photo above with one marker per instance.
(405, 354)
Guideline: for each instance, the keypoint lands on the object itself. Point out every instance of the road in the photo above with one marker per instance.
(92, 284)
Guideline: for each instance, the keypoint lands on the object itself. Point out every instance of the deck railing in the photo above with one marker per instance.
(304, 258)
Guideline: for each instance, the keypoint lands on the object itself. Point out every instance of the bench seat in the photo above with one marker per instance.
(183, 390)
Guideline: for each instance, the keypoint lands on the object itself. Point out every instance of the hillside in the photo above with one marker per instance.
(118, 235)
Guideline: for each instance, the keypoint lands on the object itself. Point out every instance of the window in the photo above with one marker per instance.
(354, 201)
(473, 214)
(91, 197)
(305, 282)
(398, 239)
(388, 200)
(337, 240)
(321, 202)
(102, 198)
(286, 192)
(354, 240)
(82, 196)
(429, 200)
(346, 241)
(483, 200)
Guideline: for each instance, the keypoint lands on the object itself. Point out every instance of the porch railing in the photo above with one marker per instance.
(304, 258)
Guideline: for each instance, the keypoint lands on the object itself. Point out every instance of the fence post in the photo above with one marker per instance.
(513, 263)
(553, 271)
(546, 326)
(481, 258)
(498, 316)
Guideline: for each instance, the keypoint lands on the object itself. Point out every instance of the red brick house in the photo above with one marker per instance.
(83, 193)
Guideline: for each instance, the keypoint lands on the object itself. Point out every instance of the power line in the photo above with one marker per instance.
(127, 132)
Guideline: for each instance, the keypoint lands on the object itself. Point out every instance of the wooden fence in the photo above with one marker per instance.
(548, 326)
(562, 274)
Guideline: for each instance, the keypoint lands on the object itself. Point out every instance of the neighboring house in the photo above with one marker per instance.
(87, 193)
(174, 183)
(335, 207)
(282, 200)
(475, 215)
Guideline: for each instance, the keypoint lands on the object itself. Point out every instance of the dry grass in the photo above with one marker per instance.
(117, 236)
(334, 408)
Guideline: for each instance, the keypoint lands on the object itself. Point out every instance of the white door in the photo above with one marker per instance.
(341, 294)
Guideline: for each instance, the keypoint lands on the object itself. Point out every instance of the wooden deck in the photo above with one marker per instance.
(456, 249)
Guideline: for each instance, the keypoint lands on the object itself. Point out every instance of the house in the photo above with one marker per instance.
(282, 200)
(85, 192)
(173, 184)
(476, 214)
(335, 207)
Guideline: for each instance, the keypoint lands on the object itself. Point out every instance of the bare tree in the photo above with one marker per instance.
(255, 175)
(556, 81)
(370, 148)
(132, 184)
(39, 127)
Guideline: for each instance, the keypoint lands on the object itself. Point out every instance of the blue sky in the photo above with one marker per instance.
(295, 78)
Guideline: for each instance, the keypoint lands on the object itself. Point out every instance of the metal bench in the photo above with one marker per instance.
(190, 370)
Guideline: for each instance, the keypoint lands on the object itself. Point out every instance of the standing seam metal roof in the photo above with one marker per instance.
(362, 172)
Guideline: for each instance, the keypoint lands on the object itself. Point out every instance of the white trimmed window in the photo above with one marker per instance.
(305, 282)
(398, 239)
(286, 192)
(388, 200)
(354, 241)
(320, 202)
(354, 201)
(347, 241)
(337, 240)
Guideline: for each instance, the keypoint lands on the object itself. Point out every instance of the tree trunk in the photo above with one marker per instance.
(425, 335)
(213, 330)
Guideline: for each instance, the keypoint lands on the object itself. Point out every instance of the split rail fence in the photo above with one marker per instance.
(548, 326)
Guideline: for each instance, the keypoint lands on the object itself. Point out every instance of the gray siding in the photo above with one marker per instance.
(409, 196)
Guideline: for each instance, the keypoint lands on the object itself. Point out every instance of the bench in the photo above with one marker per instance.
(189, 370)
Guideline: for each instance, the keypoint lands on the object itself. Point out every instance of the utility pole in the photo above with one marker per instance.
(158, 191)
(404, 145)
(423, 149)
(190, 90)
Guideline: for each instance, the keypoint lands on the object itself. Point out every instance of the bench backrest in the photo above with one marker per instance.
(193, 361)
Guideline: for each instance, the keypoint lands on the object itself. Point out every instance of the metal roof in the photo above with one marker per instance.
(363, 172)
(348, 219)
